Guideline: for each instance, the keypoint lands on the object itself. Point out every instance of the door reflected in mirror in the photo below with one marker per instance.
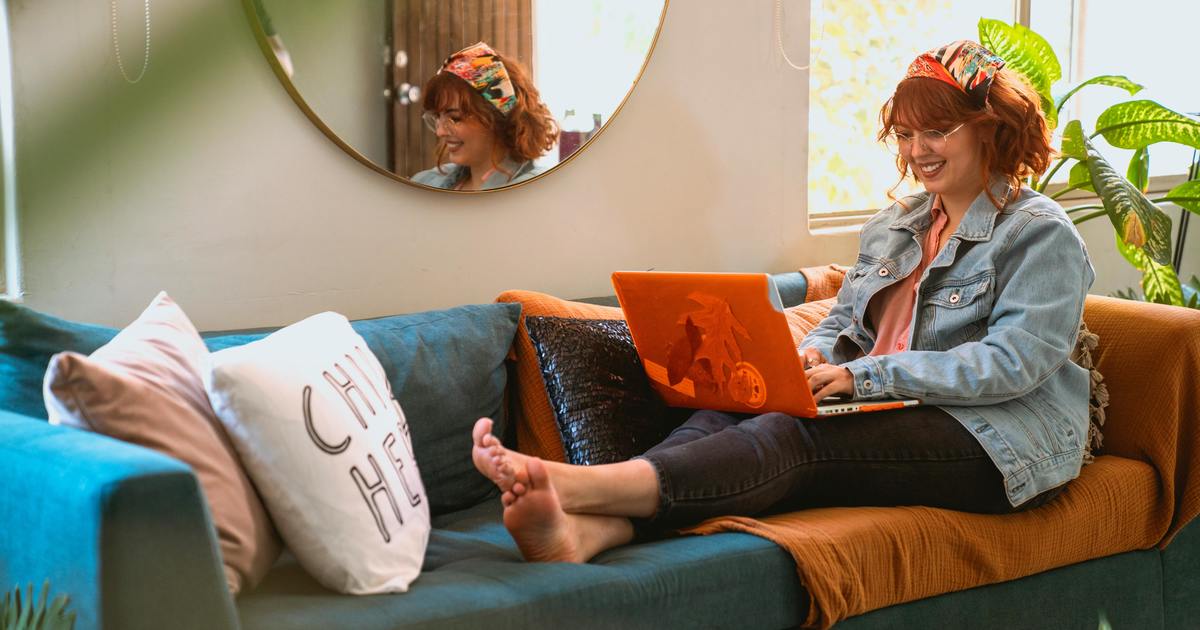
(381, 79)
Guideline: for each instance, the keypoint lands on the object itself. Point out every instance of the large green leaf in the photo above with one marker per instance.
(1138, 124)
(1138, 172)
(1022, 50)
(1072, 142)
(1160, 284)
(1028, 53)
(1050, 112)
(1113, 80)
(1191, 293)
(1081, 177)
(1138, 221)
(1185, 195)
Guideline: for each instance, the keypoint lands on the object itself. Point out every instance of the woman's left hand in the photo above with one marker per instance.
(827, 379)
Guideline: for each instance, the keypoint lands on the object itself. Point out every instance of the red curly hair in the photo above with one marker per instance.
(1012, 128)
(526, 132)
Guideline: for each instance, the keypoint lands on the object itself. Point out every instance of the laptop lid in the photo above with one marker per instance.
(715, 341)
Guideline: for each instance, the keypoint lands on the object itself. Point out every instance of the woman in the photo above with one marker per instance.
(967, 296)
(489, 120)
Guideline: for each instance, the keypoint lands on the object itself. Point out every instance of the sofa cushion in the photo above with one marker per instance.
(474, 578)
(604, 405)
(27, 341)
(145, 387)
(447, 369)
(311, 414)
(537, 428)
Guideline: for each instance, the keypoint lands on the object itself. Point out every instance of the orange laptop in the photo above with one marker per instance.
(721, 341)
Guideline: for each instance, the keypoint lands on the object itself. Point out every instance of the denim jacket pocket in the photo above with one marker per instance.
(1059, 425)
(959, 308)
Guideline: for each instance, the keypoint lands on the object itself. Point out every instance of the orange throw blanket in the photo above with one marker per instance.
(853, 560)
(1143, 488)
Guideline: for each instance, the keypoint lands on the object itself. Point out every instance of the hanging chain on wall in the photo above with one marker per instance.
(779, 38)
(117, 45)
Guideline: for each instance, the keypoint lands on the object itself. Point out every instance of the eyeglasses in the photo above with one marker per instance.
(450, 119)
(931, 139)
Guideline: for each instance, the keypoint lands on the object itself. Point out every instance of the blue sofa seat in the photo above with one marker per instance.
(474, 578)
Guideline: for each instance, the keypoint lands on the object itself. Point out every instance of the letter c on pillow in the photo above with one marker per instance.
(332, 449)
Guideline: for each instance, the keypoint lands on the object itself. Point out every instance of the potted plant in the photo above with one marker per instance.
(29, 613)
(1143, 230)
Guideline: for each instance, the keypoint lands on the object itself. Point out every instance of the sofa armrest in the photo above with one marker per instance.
(1149, 355)
(792, 287)
(123, 531)
(823, 281)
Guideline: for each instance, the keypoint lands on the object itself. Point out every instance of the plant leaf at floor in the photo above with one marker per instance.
(27, 612)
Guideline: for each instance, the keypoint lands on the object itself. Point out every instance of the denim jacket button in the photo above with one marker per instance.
(868, 385)
(883, 271)
(954, 298)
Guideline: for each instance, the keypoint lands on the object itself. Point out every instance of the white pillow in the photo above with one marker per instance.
(313, 419)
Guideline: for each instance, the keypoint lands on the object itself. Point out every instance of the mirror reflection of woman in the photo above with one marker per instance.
(489, 120)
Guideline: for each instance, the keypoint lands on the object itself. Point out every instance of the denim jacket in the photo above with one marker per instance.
(452, 174)
(995, 320)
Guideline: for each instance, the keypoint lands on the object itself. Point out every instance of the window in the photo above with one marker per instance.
(10, 279)
(860, 50)
(1151, 45)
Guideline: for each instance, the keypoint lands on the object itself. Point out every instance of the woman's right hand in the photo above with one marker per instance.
(812, 357)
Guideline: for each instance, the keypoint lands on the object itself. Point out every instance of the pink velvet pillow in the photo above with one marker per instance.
(145, 387)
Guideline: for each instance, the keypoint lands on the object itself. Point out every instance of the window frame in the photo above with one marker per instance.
(10, 251)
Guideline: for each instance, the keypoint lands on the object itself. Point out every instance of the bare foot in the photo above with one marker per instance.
(490, 457)
(535, 518)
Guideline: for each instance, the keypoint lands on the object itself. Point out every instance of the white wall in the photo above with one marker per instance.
(206, 180)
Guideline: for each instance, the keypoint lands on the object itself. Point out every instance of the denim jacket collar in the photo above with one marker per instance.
(976, 225)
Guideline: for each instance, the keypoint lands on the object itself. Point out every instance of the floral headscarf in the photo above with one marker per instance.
(963, 64)
(479, 66)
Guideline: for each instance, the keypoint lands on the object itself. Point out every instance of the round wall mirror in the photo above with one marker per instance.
(360, 71)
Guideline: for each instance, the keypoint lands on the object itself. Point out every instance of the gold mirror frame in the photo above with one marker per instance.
(264, 45)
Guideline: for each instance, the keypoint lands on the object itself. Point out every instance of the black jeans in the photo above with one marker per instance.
(719, 464)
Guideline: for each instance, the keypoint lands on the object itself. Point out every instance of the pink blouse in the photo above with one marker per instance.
(891, 309)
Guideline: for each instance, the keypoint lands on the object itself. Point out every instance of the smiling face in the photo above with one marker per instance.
(468, 142)
(466, 125)
(953, 169)
(953, 166)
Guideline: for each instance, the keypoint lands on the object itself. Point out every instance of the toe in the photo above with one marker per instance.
(483, 427)
(536, 471)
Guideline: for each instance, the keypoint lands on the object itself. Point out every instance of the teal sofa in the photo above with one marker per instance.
(126, 533)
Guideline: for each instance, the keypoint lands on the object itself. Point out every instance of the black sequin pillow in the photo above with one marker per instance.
(603, 403)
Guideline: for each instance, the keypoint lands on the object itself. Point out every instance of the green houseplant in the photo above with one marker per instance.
(30, 613)
(1143, 230)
